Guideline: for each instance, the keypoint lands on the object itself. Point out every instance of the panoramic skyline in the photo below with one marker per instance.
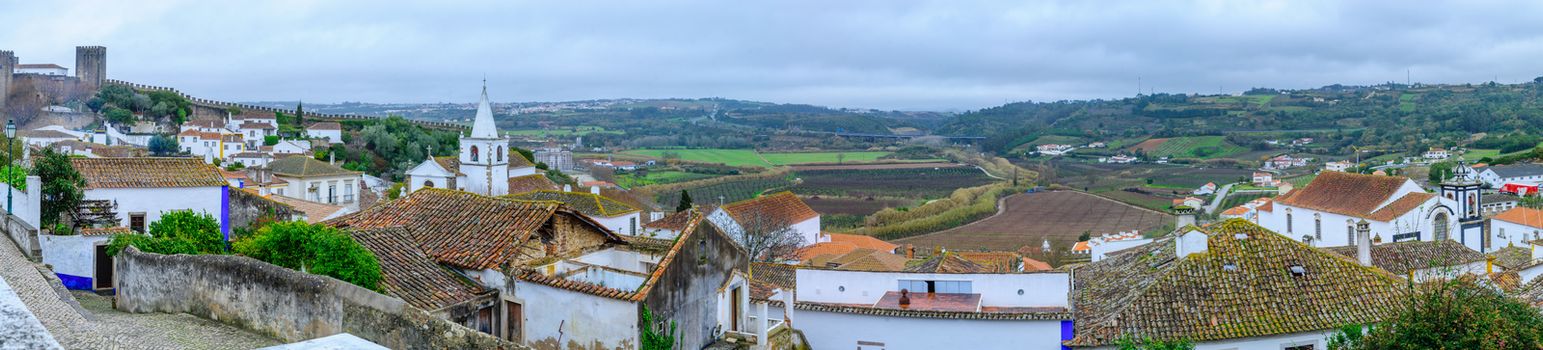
(944, 55)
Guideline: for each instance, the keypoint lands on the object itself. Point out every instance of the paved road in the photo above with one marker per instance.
(104, 328)
(1221, 194)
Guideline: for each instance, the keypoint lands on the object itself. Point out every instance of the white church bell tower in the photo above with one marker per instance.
(485, 154)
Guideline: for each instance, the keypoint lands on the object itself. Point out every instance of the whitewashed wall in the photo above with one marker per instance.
(26, 205)
(1337, 228)
(623, 225)
(73, 257)
(591, 321)
(863, 287)
(809, 229)
(829, 330)
(155, 201)
(620, 259)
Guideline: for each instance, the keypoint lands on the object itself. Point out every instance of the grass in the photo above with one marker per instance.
(657, 177)
(821, 157)
(1237, 199)
(730, 157)
(751, 158)
(568, 132)
(1406, 102)
(1476, 154)
(1204, 147)
(1256, 100)
(1301, 181)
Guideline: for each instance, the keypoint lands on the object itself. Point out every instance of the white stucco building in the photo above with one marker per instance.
(842, 309)
(1522, 174)
(330, 131)
(317, 181)
(1325, 211)
(773, 211)
(145, 188)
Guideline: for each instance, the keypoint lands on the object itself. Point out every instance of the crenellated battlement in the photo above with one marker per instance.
(247, 107)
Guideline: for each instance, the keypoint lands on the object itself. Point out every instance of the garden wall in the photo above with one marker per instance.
(281, 303)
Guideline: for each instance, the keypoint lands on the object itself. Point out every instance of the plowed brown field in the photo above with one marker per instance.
(1030, 218)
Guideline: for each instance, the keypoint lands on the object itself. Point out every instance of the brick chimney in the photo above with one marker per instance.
(910, 251)
(1363, 242)
(905, 298)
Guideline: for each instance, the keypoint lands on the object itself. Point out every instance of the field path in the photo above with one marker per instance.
(1027, 219)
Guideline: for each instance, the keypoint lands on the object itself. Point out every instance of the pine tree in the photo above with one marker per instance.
(300, 115)
(685, 201)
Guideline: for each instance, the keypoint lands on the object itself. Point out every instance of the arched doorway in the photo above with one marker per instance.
(428, 184)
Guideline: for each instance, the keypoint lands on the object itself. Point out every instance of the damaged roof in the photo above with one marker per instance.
(413, 276)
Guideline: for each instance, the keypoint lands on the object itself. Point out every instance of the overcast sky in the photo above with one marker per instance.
(943, 55)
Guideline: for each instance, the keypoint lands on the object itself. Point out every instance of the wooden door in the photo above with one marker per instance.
(514, 322)
(735, 314)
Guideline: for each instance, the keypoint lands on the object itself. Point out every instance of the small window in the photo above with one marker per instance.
(1297, 270)
(473, 153)
(1300, 347)
(137, 222)
(1229, 267)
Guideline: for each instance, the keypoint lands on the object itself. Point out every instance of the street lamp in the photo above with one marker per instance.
(10, 141)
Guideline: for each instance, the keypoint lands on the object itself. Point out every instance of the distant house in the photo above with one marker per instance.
(45, 137)
(1121, 159)
(317, 181)
(292, 147)
(1105, 244)
(330, 131)
(1207, 188)
(1263, 179)
(1423, 260)
(1285, 162)
(1342, 165)
(1053, 149)
(1097, 145)
(1437, 153)
(1499, 175)
(1190, 202)
(42, 69)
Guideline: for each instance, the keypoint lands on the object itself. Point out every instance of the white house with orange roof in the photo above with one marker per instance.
(1207, 188)
(1516, 226)
(1325, 212)
(781, 209)
(1263, 179)
(836, 244)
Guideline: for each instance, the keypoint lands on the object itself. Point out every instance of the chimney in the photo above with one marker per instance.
(567, 188)
(1186, 217)
(1193, 242)
(905, 298)
(1363, 242)
(594, 189)
(910, 251)
(332, 158)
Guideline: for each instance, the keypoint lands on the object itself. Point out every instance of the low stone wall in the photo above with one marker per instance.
(247, 208)
(282, 303)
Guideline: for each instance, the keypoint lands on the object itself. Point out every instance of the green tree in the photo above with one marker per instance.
(1128, 343)
(162, 145)
(1440, 171)
(685, 201)
(1460, 313)
(300, 114)
(176, 232)
(14, 175)
(119, 116)
(312, 248)
(61, 186)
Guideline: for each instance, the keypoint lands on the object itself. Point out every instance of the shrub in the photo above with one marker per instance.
(312, 248)
(176, 232)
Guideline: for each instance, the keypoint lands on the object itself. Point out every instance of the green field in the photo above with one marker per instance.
(657, 177)
(1257, 100)
(1406, 102)
(1197, 147)
(730, 157)
(1300, 181)
(564, 132)
(1237, 199)
(751, 158)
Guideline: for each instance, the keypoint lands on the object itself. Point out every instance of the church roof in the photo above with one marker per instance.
(1403, 257)
(584, 202)
(450, 163)
(147, 172)
(1354, 195)
(411, 275)
(306, 167)
(483, 127)
(1242, 285)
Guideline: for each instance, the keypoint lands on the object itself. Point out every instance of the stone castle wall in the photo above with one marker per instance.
(217, 107)
(285, 304)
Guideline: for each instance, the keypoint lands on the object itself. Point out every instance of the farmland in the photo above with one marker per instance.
(1031, 218)
(1204, 147)
(657, 177)
(916, 183)
(853, 206)
(1099, 176)
(1237, 199)
(730, 192)
(564, 132)
(752, 158)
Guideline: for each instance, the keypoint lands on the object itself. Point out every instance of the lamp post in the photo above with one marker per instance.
(10, 157)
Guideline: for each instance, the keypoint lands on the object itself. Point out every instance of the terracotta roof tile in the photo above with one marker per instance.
(675, 222)
(450, 163)
(1343, 193)
(533, 182)
(1031, 265)
(585, 202)
(949, 263)
(147, 172)
(106, 231)
(783, 208)
(1240, 287)
(642, 291)
(325, 126)
(306, 167)
(1400, 258)
(458, 228)
(1020, 314)
(1513, 257)
(862, 241)
(1403, 205)
(993, 261)
(412, 275)
(1523, 216)
(314, 212)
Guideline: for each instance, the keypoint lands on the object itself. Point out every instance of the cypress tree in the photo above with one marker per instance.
(685, 201)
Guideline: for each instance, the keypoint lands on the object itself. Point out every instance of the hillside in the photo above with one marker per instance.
(1390, 118)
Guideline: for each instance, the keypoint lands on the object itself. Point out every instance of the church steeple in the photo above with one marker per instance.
(482, 127)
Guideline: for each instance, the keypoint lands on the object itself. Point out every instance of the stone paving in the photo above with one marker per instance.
(94, 324)
(18, 328)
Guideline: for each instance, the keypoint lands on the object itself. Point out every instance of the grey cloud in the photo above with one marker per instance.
(882, 54)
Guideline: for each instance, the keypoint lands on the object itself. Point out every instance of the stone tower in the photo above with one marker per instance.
(91, 65)
(7, 70)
